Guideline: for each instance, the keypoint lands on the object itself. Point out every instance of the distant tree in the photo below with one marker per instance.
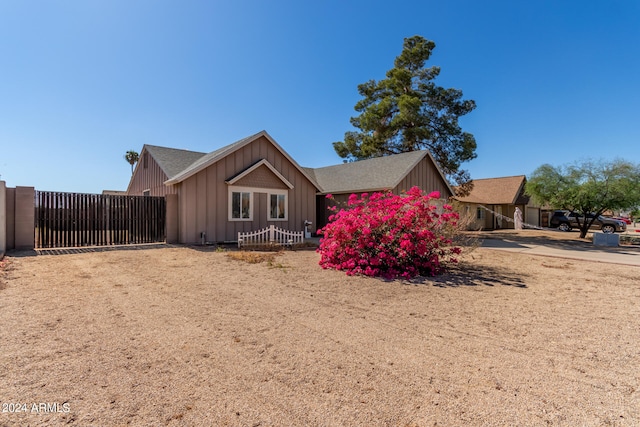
(132, 158)
(407, 111)
(587, 188)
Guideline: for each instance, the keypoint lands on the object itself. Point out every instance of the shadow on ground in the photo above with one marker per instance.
(476, 275)
(465, 274)
(84, 250)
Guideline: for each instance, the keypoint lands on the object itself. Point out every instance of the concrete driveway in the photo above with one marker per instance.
(533, 243)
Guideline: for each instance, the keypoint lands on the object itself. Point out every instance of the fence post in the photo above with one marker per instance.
(25, 218)
(3, 218)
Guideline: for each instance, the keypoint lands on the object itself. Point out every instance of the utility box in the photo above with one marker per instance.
(604, 239)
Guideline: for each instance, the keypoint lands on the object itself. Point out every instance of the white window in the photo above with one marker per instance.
(240, 206)
(277, 207)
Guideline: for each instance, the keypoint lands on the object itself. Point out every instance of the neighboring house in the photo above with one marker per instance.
(397, 173)
(114, 193)
(492, 200)
(254, 183)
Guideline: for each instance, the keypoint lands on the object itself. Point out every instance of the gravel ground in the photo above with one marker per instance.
(187, 336)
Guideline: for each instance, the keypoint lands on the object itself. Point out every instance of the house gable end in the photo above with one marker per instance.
(148, 175)
(155, 166)
(377, 174)
(426, 175)
(504, 190)
(224, 152)
(261, 175)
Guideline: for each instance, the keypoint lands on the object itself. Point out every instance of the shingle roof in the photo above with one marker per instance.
(208, 158)
(495, 191)
(375, 174)
(171, 160)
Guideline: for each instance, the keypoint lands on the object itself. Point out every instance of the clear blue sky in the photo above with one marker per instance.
(82, 82)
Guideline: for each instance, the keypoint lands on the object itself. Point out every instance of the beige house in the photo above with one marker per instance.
(244, 186)
(493, 201)
(397, 173)
(254, 183)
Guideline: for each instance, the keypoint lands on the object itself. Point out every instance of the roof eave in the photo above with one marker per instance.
(365, 190)
(250, 169)
(435, 163)
(232, 147)
(520, 188)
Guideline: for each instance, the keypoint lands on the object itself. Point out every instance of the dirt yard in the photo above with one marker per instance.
(186, 336)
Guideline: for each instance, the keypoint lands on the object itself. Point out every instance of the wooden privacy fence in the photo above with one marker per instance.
(73, 219)
(271, 235)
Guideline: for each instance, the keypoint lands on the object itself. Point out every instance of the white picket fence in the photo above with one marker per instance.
(271, 235)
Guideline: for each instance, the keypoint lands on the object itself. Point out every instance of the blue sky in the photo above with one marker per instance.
(82, 82)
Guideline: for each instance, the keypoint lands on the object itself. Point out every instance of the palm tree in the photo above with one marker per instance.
(132, 158)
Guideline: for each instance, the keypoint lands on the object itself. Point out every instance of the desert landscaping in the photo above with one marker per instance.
(175, 335)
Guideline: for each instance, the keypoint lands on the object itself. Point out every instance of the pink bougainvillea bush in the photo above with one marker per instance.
(390, 236)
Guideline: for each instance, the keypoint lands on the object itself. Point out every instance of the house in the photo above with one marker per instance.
(492, 203)
(114, 193)
(253, 183)
(397, 173)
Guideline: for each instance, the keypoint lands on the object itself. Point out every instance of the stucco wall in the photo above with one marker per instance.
(3, 218)
(24, 218)
(17, 218)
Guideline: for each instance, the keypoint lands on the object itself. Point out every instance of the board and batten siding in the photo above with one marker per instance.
(204, 197)
(424, 175)
(149, 176)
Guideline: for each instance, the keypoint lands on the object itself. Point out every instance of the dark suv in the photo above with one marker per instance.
(566, 220)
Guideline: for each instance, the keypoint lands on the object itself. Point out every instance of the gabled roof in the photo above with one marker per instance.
(208, 159)
(172, 161)
(496, 191)
(257, 165)
(377, 174)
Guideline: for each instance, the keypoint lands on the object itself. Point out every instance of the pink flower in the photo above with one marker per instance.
(388, 235)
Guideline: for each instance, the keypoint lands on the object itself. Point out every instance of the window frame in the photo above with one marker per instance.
(241, 191)
(277, 193)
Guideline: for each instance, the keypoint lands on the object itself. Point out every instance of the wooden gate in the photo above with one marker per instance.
(72, 219)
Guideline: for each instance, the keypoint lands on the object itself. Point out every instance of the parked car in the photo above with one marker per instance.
(621, 218)
(565, 220)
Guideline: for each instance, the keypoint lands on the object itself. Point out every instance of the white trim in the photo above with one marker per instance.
(230, 203)
(189, 171)
(269, 236)
(284, 193)
(256, 166)
(253, 190)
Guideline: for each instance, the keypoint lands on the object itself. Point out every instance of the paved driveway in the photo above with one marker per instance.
(571, 249)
